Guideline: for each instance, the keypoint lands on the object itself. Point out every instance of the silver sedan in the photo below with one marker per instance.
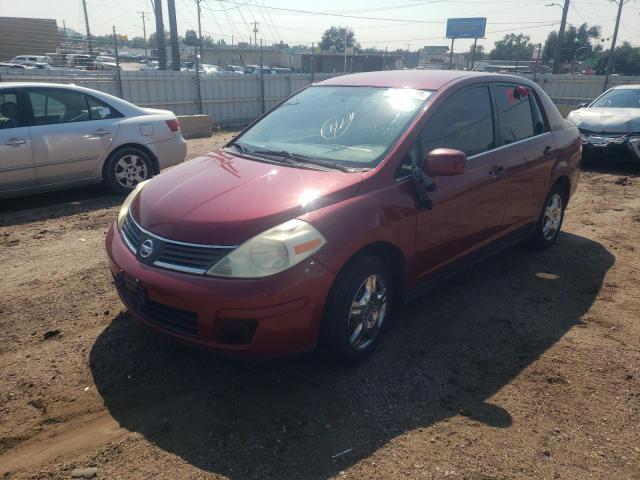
(57, 136)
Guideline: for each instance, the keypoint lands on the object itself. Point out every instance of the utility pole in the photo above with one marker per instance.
(173, 36)
(262, 102)
(313, 60)
(255, 33)
(160, 44)
(563, 24)
(451, 55)
(86, 23)
(612, 51)
(473, 57)
(144, 32)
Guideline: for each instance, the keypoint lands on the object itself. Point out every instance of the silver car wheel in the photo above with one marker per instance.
(552, 216)
(131, 170)
(368, 311)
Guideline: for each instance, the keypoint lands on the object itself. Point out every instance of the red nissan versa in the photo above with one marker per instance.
(351, 196)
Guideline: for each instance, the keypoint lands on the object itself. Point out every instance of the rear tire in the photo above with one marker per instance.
(550, 220)
(357, 309)
(126, 168)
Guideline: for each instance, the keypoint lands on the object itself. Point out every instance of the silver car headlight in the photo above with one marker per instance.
(271, 252)
(124, 209)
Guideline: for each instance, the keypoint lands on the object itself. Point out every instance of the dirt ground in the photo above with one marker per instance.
(527, 366)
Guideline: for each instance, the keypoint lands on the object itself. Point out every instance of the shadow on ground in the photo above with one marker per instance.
(445, 355)
(63, 203)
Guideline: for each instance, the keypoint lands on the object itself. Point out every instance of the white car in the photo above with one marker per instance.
(31, 58)
(57, 136)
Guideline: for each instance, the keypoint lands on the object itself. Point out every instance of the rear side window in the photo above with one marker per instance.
(464, 122)
(8, 110)
(98, 110)
(519, 115)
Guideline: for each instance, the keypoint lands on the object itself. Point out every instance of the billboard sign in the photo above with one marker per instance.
(466, 27)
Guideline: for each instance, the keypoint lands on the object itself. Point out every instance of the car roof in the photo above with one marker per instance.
(627, 87)
(418, 79)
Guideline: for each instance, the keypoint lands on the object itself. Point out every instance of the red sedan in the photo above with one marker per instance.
(350, 197)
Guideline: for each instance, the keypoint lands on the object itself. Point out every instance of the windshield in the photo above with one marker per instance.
(352, 126)
(619, 98)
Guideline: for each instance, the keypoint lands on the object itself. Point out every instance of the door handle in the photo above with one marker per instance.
(15, 142)
(496, 170)
(547, 151)
(100, 133)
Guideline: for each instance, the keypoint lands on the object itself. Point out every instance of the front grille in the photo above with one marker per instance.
(171, 254)
(175, 320)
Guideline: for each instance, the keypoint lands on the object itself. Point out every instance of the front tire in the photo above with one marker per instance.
(550, 221)
(357, 309)
(126, 168)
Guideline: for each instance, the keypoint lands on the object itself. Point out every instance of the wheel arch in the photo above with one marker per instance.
(565, 184)
(392, 256)
(146, 150)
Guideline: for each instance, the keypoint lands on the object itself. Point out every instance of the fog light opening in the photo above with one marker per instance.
(235, 331)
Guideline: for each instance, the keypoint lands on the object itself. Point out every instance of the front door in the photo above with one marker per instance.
(70, 135)
(468, 209)
(16, 160)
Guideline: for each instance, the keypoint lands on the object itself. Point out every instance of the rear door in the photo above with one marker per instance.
(468, 209)
(16, 159)
(529, 150)
(71, 134)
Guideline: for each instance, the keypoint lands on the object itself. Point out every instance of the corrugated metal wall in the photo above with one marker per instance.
(235, 100)
(230, 100)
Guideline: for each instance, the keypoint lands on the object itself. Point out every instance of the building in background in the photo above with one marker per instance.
(27, 36)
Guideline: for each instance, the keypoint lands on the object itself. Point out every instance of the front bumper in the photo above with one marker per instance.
(622, 147)
(169, 152)
(284, 311)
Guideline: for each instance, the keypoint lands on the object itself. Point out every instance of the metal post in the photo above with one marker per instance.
(197, 62)
(451, 55)
(563, 24)
(345, 50)
(473, 57)
(173, 36)
(86, 23)
(118, 75)
(261, 81)
(160, 44)
(612, 51)
(313, 60)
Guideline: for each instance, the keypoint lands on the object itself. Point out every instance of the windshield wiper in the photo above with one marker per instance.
(238, 146)
(297, 159)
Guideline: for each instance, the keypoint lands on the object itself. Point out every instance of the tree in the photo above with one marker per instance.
(576, 44)
(513, 46)
(480, 53)
(627, 60)
(334, 37)
(190, 38)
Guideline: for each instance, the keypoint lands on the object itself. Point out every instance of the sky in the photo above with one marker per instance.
(394, 23)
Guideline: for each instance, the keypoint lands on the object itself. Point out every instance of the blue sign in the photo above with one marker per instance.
(466, 27)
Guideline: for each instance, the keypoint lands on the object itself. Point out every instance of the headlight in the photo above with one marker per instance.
(271, 252)
(124, 209)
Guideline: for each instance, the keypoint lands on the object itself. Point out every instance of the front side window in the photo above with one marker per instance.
(8, 110)
(619, 98)
(464, 122)
(58, 106)
(515, 112)
(352, 126)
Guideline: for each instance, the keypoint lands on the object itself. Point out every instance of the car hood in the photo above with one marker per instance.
(607, 120)
(223, 199)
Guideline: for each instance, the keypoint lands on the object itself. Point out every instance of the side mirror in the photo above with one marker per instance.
(445, 162)
(582, 105)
